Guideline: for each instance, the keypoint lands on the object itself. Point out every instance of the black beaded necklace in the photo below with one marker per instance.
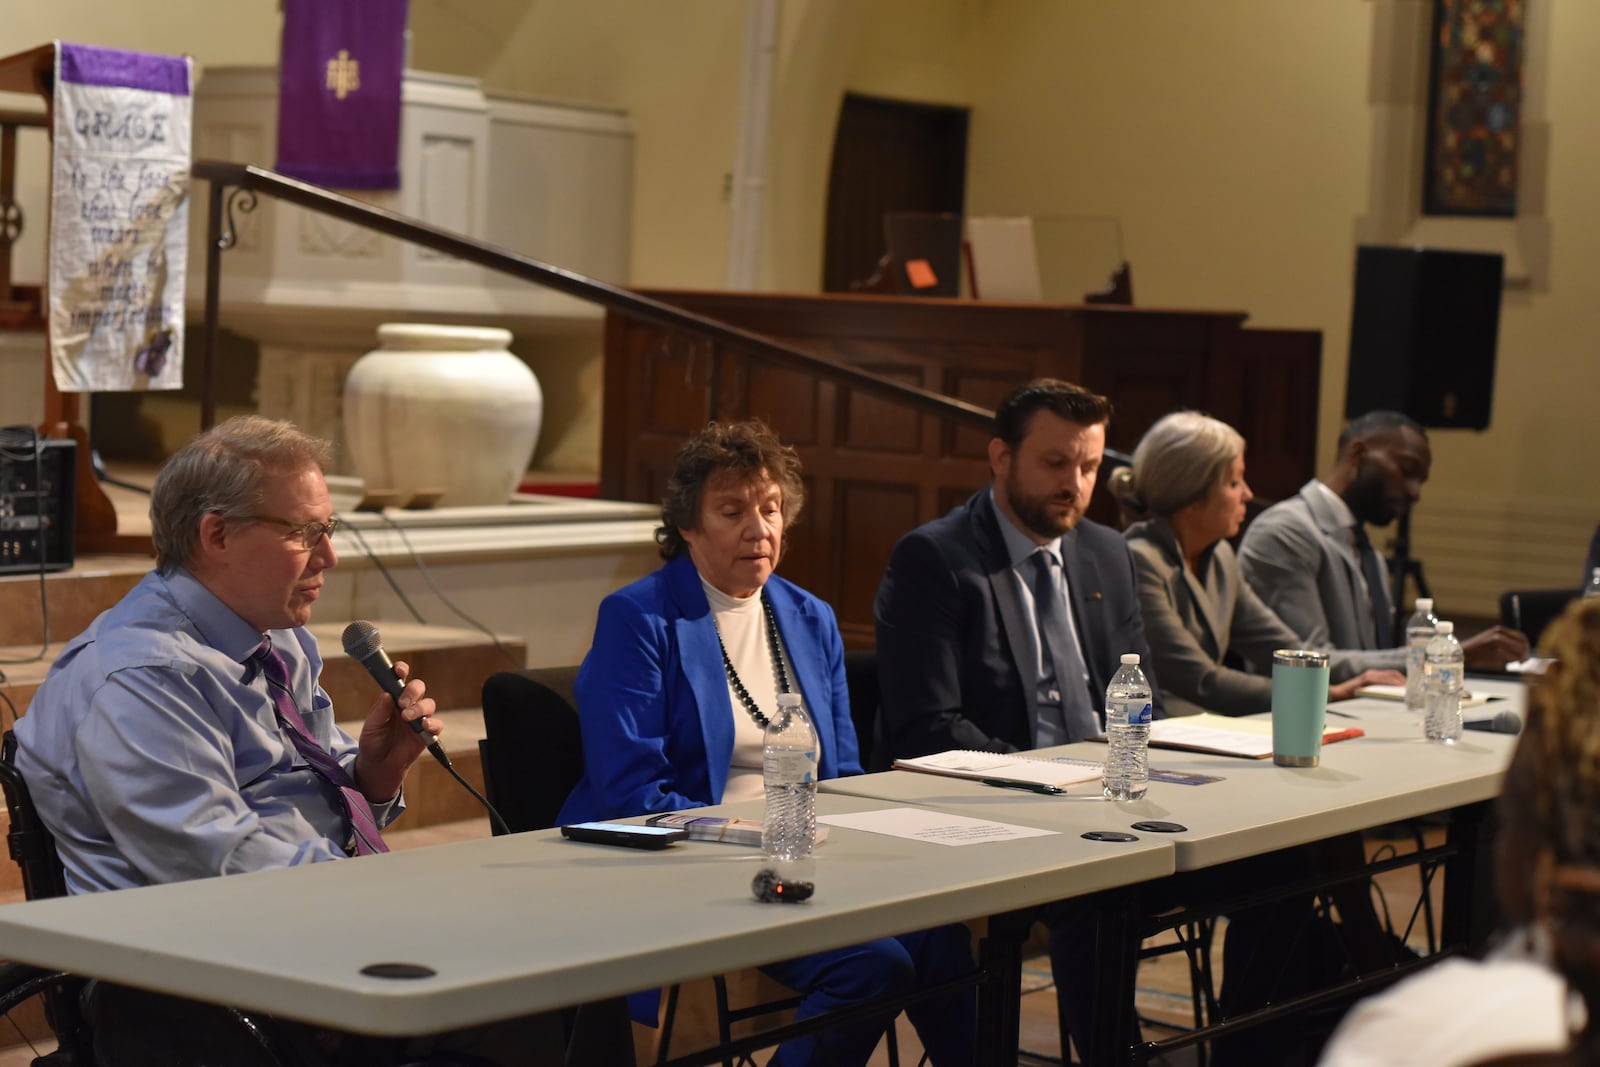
(777, 664)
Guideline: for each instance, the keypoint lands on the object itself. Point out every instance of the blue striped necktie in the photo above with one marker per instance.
(364, 828)
(1066, 710)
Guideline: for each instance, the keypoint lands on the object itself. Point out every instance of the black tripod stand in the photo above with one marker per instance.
(1401, 567)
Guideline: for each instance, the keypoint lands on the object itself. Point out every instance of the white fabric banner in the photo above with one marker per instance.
(119, 218)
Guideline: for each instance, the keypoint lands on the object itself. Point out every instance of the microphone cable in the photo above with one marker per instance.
(383, 570)
(364, 644)
(496, 824)
(427, 576)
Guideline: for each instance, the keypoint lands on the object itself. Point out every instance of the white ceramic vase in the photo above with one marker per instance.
(442, 408)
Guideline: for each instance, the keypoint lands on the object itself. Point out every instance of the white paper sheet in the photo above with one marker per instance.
(1002, 766)
(1005, 265)
(919, 824)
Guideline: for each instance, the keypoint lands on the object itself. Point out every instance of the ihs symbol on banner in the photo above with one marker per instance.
(344, 74)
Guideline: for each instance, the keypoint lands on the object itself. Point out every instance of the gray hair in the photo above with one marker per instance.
(223, 471)
(1177, 462)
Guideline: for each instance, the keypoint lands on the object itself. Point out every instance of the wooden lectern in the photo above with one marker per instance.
(874, 469)
(33, 71)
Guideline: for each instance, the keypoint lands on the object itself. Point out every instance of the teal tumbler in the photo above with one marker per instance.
(1299, 706)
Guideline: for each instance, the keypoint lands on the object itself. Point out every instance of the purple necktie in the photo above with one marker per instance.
(363, 826)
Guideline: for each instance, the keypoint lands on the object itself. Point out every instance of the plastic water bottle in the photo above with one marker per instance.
(1419, 631)
(1441, 686)
(1593, 587)
(789, 772)
(1128, 713)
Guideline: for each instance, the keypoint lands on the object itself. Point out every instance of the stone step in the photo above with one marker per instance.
(22, 671)
(454, 662)
(74, 598)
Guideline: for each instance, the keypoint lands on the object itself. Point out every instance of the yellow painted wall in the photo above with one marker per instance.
(675, 68)
(1245, 146)
(240, 31)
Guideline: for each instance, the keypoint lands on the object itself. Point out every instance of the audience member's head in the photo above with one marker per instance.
(225, 471)
(1548, 848)
(1383, 461)
(1049, 439)
(734, 490)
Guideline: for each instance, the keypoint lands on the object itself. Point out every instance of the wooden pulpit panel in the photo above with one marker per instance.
(868, 424)
(1268, 388)
(874, 469)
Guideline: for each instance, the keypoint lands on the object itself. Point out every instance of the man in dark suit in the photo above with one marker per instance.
(961, 658)
(959, 648)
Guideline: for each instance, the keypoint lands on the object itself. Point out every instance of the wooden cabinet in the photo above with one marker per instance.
(875, 469)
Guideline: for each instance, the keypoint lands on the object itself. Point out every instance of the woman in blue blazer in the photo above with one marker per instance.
(685, 666)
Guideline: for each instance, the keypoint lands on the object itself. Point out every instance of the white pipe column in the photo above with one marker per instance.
(750, 149)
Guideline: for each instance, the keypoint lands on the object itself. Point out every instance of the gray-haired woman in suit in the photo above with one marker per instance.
(1187, 483)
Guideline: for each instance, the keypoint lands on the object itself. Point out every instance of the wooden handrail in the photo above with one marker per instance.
(222, 176)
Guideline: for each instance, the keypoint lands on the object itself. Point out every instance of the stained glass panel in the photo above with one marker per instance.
(1474, 107)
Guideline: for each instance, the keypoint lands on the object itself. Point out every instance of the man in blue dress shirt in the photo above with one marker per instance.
(153, 749)
(157, 752)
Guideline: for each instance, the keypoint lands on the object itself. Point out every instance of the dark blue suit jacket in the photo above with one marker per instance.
(953, 645)
(653, 700)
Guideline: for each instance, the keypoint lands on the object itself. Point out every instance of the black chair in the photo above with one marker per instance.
(861, 679)
(532, 754)
(532, 750)
(1531, 610)
(34, 851)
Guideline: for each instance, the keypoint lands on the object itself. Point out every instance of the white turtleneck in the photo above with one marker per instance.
(742, 624)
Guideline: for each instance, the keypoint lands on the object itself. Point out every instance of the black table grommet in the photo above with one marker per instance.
(398, 970)
(1108, 835)
(1157, 827)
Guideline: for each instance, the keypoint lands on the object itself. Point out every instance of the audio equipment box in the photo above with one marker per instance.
(38, 501)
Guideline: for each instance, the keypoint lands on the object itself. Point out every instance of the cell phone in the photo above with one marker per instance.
(629, 836)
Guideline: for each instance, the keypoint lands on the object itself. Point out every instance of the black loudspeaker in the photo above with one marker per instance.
(1423, 331)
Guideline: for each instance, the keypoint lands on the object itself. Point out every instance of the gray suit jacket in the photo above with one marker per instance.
(1297, 556)
(1193, 620)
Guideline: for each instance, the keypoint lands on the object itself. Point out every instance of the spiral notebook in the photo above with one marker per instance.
(1001, 767)
(1398, 692)
(1222, 735)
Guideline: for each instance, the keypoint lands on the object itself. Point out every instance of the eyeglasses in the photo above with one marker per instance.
(311, 533)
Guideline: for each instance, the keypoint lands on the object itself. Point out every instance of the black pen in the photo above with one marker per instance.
(1047, 790)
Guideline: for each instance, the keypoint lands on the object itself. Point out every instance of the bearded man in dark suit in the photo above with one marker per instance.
(958, 639)
(963, 656)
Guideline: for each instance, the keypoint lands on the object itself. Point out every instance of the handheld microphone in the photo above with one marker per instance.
(362, 644)
(1504, 722)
